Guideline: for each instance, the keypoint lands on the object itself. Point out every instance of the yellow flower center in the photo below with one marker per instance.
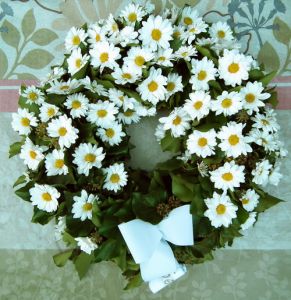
(78, 63)
(221, 34)
(102, 113)
(188, 21)
(139, 60)
(114, 27)
(132, 17)
(97, 37)
(226, 103)
(25, 122)
(220, 209)
(62, 131)
(250, 98)
(197, 105)
(110, 132)
(128, 113)
(64, 87)
(177, 121)
(233, 68)
(32, 96)
(32, 154)
(76, 104)
(126, 76)
(184, 54)
(265, 122)
(192, 30)
(152, 86)
(114, 178)
(233, 139)
(104, 57)
(87, 207)
(170, 86)
(202, 75)
(46, 197)
(156, 34)
(227, 176)
(245, 201)
(76, 40)
(90, 157)
(59, 163)
(51, 112)
(162, 58)
(176, 34)
(202, 142)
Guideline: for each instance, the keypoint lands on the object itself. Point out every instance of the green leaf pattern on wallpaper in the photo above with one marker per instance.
(19, 39)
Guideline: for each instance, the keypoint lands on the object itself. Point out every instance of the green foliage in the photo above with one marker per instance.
(61, 259)
(40, 216)
(281, 31)
(169, 143)
(266, 202)
(15, 148)
(82, 263)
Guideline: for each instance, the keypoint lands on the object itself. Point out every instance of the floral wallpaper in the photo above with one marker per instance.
(257, 268)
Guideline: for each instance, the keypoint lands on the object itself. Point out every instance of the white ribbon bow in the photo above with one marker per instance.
(148, 246)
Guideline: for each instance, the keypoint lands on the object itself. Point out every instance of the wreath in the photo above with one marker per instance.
(215, 119)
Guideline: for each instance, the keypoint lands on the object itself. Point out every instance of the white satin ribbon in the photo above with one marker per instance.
(149, 248)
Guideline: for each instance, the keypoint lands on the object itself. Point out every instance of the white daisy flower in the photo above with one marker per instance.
(198, 105)
(128, 116)
(102, 113)
(186, 52)
(160, 132)
(178, 31)
(55, 163)
(48, 111)
(120, 99)
(126, 74)
(220, 210)
(264, 138)
(63, 87)
(267, 121)
(132, 13)
(76, 61)
(77, 104)
(33, 95)
(104, 55)
(116, 177)
(74, 38)
(275, 175)
(152, 89)
(56, 73)
(23, 121)
(250, 200)
(156, 32)
(227, 103)
(177, 122)
(147, 5)
(45, 197)
(250, 221)
(87, 156)
(96, 34)
(137, 57)
(93, 86)
(31, 154)
(202, 168)
(233, 67)
(127, 36)
(62, 129)
(145, 111)
(83, 206)
(193, 30)
(233, 142)
(174, 84)
(203, 71)
(86, 244)
(189, 15)
(220, 32)
(228, 176)
(202, 143)
(164, 57)
(111, 26)
(112, 135)
(60, 227)
(252, 95)
(261, 172)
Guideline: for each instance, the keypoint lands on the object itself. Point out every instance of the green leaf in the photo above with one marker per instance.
(134, 281)
(273, 100)
(82, 263)
(61, 259)
(268, 78)
(269, 57)
(242, 215)
(44, 36)
(207, 52)
(41, 217)
(23, 192)
(281, 31)
(21, 179)
(107, 250)
(267, 201)
(67, 238)
(197, 205)
(76, 227)
(12, 36)
(15, 148)
(109, 226)
(61, 179)
(96, 214)
(175, 44)
(37, 59)
(183, 188)
(170, 165)
(28, 23)
(4, 63)
(169, 143)
(256, 74)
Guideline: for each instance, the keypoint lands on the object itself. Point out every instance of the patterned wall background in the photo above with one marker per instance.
(258, 267)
